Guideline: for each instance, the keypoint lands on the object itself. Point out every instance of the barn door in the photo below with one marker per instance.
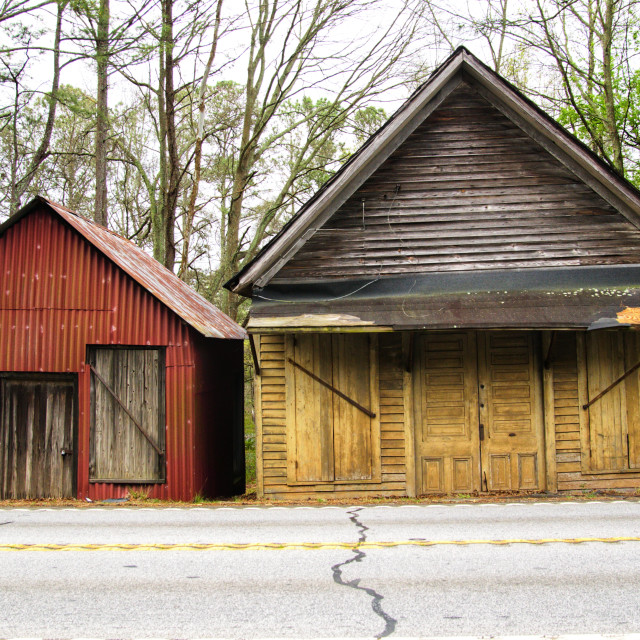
(127, 415)
(613, 409)
(333, 428)
(478, 412)
(510, 411)
(37, 418)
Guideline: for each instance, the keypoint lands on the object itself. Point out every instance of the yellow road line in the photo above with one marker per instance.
(271, 546)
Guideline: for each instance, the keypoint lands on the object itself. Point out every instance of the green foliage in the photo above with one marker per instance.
(250, 449)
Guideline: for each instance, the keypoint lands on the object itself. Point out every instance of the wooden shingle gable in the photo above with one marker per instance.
(587, 182)
(467, 190)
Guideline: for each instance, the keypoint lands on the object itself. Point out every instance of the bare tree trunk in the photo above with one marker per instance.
(609, 96)
(102, 113)
(191, 212)
(42, 151)
(173, 182)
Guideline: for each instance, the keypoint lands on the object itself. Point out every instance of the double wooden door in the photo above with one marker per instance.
(37, 424)
(478, 412)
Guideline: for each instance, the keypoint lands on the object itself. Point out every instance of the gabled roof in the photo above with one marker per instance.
(145, 270)
(461, 67)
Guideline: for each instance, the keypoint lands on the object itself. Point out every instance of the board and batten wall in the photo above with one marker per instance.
(573, 431)
(271, 426)
(567, 428)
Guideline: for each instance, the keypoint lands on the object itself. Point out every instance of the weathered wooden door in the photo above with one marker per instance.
(510, 411)
(37, 418)
(446, 409)
(332, 408)
(127, 415)
(478, 412)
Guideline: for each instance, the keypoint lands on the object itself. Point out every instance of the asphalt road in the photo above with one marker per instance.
(450, 570)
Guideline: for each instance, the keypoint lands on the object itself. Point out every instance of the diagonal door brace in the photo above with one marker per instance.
(115, 397)
(332, 388)
(612, 385)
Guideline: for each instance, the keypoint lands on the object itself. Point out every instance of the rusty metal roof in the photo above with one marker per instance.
(199, 313)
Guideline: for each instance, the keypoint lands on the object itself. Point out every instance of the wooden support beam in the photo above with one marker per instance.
(408, 363)
(131, 417)
(409, 428)
(351, 401)
(547, 357)
(548, 399)
(254, 353)
(614, 384)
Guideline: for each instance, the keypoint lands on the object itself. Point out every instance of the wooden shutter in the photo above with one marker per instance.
(352, 432)
(329, 439)
(632, 392)
(127, 395)
(608, 415)
(310, 409)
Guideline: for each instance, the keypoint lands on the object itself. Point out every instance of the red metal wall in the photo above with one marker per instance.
(58, 294)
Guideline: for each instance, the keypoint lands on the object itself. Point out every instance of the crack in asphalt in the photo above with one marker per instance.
(359, 555)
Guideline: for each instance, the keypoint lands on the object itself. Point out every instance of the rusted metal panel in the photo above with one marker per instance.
(147, 272)
(57, 296)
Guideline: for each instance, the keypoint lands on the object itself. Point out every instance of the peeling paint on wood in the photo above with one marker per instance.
(630, 315)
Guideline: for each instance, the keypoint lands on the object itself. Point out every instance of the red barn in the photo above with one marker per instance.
(114, 374)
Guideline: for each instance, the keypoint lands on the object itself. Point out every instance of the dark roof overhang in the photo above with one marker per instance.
(559, 298)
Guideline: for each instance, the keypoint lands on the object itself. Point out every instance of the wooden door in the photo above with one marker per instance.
(613, 392)
(37, 418)
(333, 424)
(127, 415)
(510, 411)
(478, 410)
(446, 409)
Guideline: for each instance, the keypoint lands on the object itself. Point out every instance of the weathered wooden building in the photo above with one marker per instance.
(454, 310)
(113, 373)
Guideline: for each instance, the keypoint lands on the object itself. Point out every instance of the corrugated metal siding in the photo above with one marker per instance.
(164, 285)
(58, 295)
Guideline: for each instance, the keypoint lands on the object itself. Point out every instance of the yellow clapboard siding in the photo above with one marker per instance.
(398, 451)
(571, 410)
(568, 466)
(569, 481)
(392, 468)
(274, 429)
(274, 455)
(569, 457)
(566, 420)
(275, 464)
(274, 447)
(392, 444)
(274, 473)
(571, 394)
(568, 428)
(568, 445)
(395, 428)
